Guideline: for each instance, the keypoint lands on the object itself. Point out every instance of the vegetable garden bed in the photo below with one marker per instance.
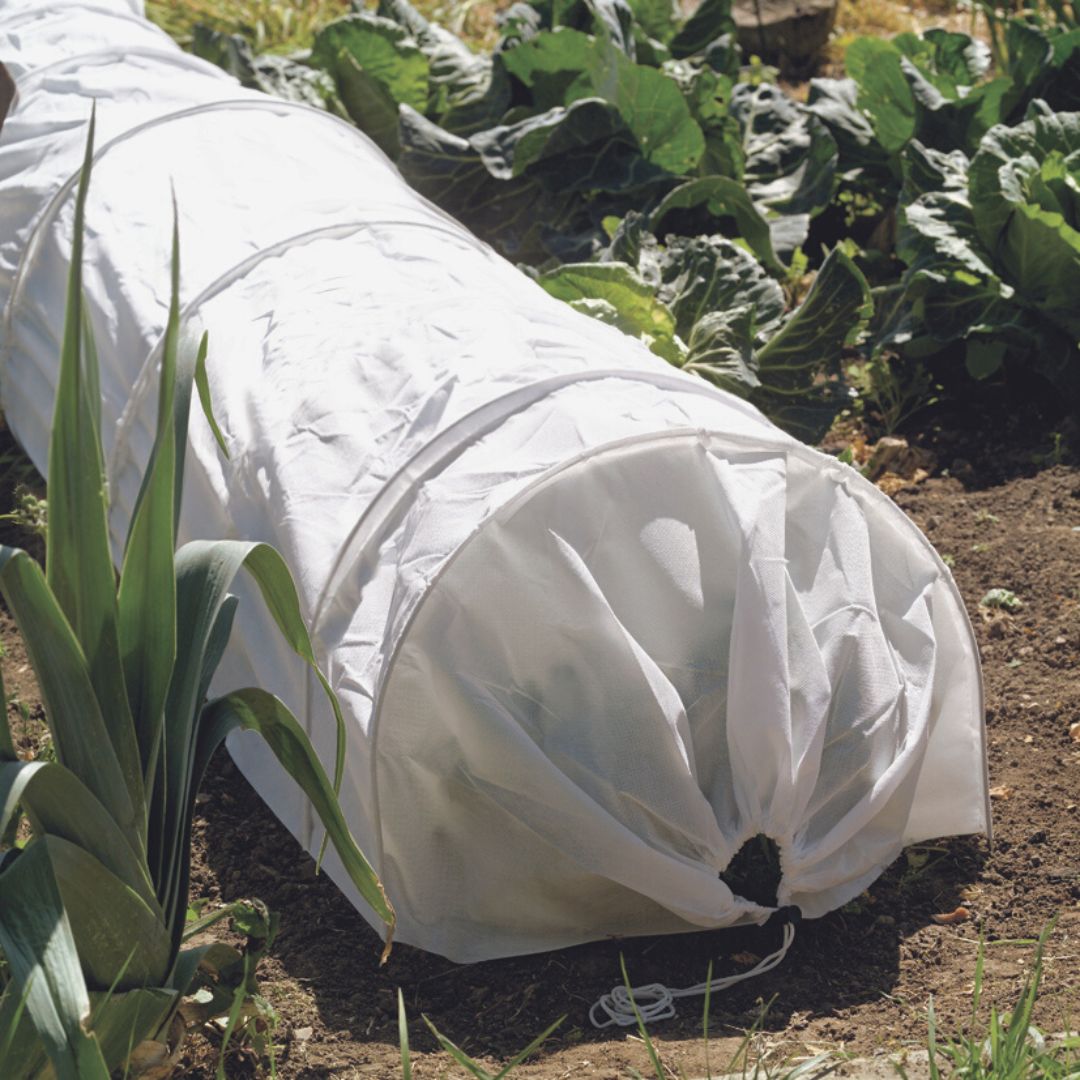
(859, 979)
(1003, 500)
(744, 236)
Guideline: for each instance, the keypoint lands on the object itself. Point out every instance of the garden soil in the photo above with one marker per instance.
(1002, 502)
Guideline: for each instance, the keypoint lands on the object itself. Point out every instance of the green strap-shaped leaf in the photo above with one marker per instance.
(521, 1055)
(91, 380)
(259, 711)
(205, 571)
(119, 1023)
(79, 561)
(403, 1038)
(10, 820)
(58, 803)
(211, 566)
(477, 1070)
(122, 1021)
(202, 383)
(122, 940)
(176, 872)
(71, 708)
(21, 1049)
(7, 744)
(147, 595)
(37, 940)
(473, 1068)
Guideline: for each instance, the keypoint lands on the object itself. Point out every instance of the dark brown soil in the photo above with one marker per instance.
(859, 979)
(1004, 503)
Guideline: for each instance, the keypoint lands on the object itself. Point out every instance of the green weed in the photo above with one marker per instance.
(30, 513)
(1009, 1047)
(1002, 600)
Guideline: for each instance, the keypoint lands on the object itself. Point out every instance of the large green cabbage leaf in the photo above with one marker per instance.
(992, 250)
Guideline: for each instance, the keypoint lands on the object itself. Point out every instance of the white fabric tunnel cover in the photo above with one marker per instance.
(593, 623)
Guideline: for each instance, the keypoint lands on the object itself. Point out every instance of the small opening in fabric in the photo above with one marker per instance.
(754, 872)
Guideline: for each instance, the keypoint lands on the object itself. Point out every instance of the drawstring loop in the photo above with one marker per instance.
(656, 1002)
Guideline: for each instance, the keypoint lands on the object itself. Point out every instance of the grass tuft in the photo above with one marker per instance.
(1010, 1047)
(276, 26)
(285, 26)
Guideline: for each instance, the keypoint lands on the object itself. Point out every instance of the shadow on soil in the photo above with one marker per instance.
(327, 951)
(992, 435)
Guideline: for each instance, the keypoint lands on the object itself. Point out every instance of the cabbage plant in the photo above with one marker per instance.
(992, 247)
(93, 906)
(938, 89)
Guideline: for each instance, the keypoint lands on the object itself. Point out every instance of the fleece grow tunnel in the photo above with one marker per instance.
(594, 623)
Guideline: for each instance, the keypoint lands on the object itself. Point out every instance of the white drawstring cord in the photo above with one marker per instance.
(657, 1002)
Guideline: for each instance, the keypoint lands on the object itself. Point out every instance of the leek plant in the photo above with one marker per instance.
(93, 905)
